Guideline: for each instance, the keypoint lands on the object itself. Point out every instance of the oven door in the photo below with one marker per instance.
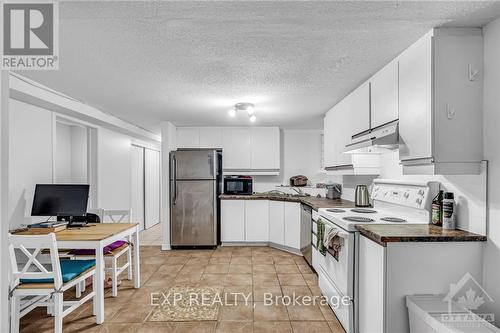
(336, 276)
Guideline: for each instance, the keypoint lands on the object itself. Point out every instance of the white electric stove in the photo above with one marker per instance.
(394, 202)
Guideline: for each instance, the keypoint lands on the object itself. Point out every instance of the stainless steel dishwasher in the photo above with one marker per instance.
(305, 232)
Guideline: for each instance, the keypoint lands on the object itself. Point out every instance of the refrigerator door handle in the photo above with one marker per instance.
(175, 179)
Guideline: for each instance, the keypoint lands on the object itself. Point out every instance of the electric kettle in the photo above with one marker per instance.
(362, 197)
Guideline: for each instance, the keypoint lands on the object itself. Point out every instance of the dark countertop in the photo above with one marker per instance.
(313, 202)
(383, 234)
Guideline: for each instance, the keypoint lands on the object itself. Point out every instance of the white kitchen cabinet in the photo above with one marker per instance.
(236, 148)
(387, 274)
(349, 117)
(262, 221)
(384, 95)
(371, 286)
(256, 220)
(440, 103)
(210, 137)
(188, 137)
(265, 148)
(292, 225)
(358, 114)
(277, 222)
(329, 139)
(233, 220)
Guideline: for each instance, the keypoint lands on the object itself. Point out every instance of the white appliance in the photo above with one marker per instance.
(394, 202)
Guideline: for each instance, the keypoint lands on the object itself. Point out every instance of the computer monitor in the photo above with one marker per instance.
(61, 200)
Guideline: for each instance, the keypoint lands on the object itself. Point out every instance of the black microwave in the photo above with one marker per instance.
(240, 185)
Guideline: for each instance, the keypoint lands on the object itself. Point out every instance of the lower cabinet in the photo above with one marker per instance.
(277, 222)
(256, 220)
(271, 221)
(233, 220)
(371, 286)
(292, 225)
(387, 274)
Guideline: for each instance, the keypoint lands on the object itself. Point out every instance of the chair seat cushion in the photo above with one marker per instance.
(70, 269)
(105, 250)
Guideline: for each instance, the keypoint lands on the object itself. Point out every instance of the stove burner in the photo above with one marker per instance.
(392, 219)
(363, 210)
(357, 219)
(335, 210)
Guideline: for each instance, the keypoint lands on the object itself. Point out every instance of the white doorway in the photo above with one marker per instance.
(137, 185)
(145, 186)
(152, 187)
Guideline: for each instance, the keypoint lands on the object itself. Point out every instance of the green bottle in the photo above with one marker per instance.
(437, 209)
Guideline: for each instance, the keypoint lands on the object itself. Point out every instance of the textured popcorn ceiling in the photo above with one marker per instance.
(189, 62)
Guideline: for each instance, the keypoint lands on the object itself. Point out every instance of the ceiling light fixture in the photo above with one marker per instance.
(249, 108)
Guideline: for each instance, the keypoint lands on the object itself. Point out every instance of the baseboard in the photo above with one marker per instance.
(270, 244)
(166, 247)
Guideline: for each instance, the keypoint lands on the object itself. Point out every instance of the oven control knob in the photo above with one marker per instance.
(406, 195)
(421, 192)
(418, 201)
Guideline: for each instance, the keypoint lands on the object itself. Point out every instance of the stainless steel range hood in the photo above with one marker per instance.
(376, 140)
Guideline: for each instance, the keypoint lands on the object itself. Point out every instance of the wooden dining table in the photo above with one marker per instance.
(96, 236)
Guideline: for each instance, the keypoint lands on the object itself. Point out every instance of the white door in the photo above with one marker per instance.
(137, 185)
(152, 187)
(415, 100)
(233, 220)
(236, 148)
(384, 95)
(292, 225)
(256, 220)
(277, 222)
(265, 148)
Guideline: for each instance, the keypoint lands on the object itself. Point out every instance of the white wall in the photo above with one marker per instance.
(30, 157)
(469, 190)
(491, 102)
(4, 194)
(63, 153)
(79, 154)
(71, 154)
(113, 162)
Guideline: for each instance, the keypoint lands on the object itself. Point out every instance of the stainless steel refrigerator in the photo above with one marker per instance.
(195, 185)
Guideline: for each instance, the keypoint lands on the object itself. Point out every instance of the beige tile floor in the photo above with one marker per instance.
(151, 236)
(249, 270)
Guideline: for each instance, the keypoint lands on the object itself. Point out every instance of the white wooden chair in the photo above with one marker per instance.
(112, 216)
(33, 284)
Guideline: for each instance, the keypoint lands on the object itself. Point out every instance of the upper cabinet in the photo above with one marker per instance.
(415, 91)
(188, 137)
(434, 88)
(210, 137)
(440, 103)
(236, 148)
(245, 150)
(265, 152)
(384, 95)
(349, 117)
